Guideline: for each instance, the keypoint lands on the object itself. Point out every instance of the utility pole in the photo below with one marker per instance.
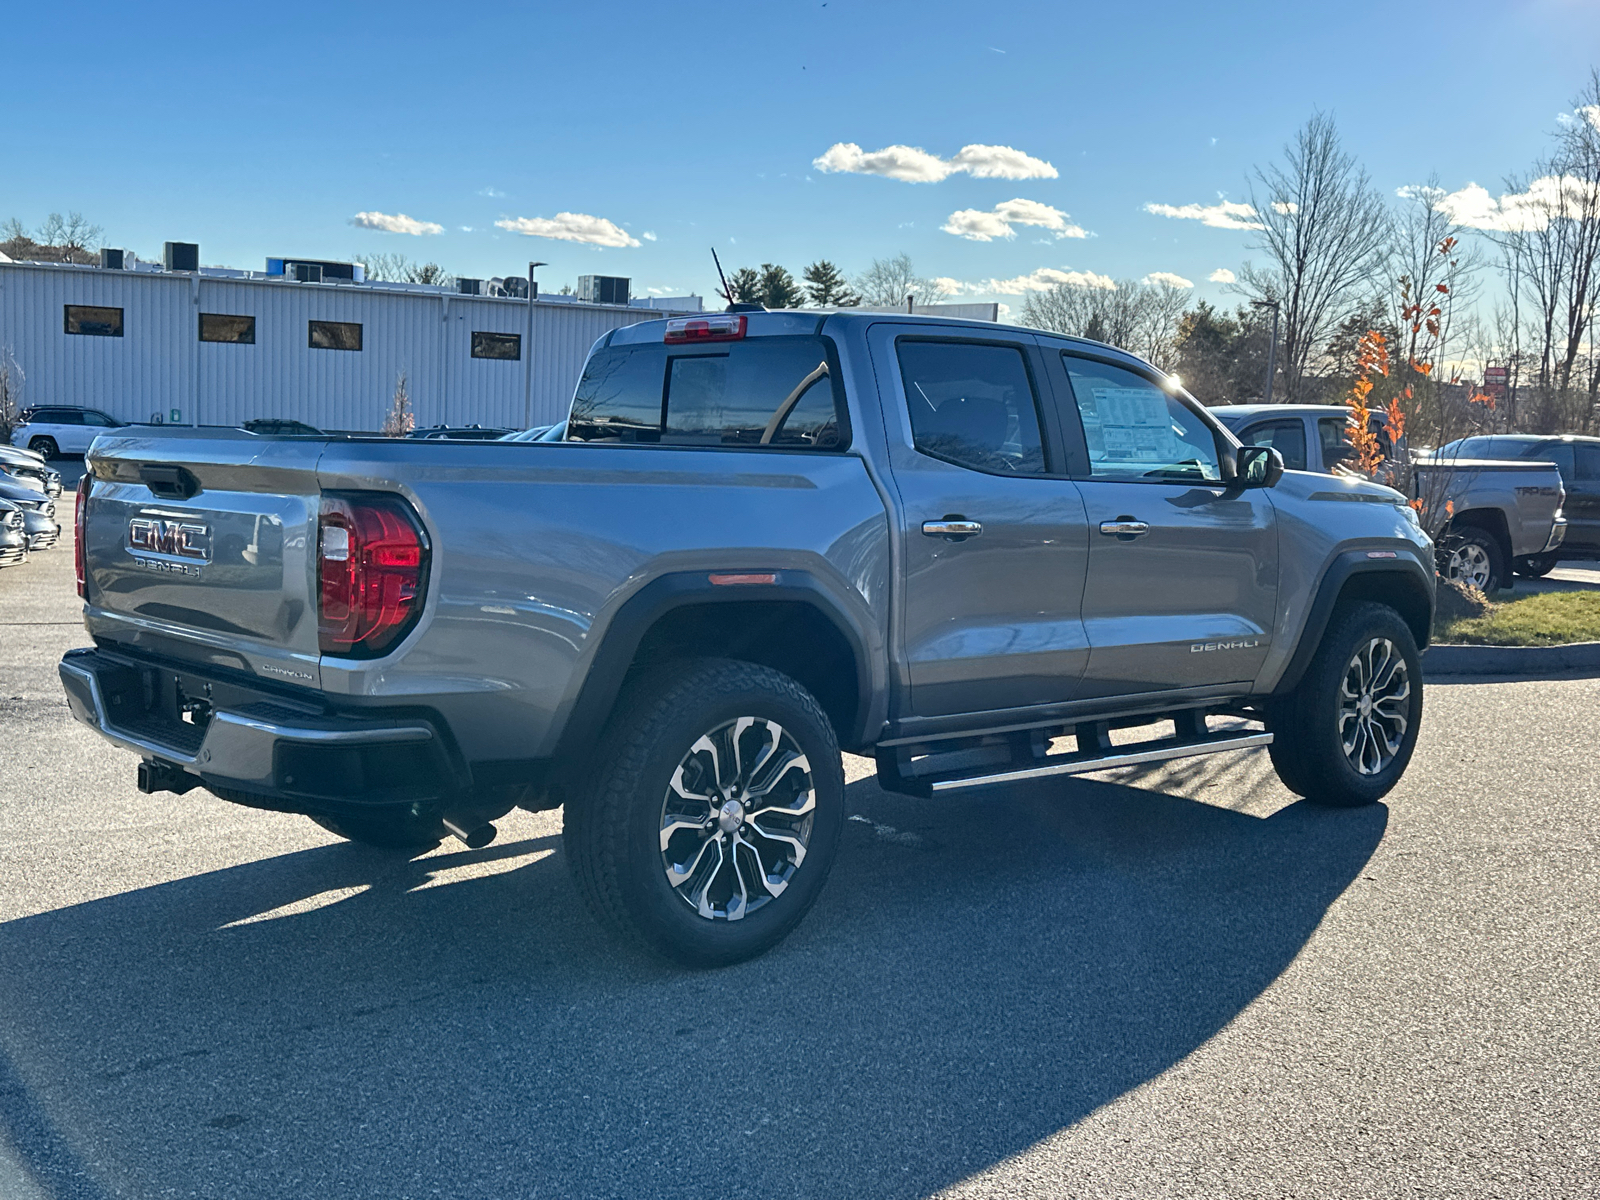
(1272, 346)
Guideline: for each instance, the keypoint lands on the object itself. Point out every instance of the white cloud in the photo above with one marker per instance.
(1222, 275)
(398, 223)
(495, 193)
(648, 236)
(1040, 280)
(977, 225)
(912, 164)
(1167, 277)
(465, 228)
(571, 227)
(1285, 207)
(1515, 212)
(1225, 214)
(944, 283)
(1591, 114)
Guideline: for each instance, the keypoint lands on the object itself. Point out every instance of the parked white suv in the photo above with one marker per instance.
(53, 432)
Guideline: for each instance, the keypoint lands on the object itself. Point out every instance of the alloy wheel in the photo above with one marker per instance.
(736, 819)
(1469, 563)
(1374, 700)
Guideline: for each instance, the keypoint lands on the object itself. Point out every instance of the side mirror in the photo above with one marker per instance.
(1257, 467)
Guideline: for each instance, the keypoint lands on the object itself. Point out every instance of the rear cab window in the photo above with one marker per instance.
(972, 404)
(775, 392)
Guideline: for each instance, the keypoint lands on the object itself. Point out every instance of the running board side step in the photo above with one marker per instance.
(1133, 755)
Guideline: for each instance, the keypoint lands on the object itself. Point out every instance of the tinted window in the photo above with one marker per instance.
(224, 327)
(774, 391)
(1588, 456)
(1136, 430)
(497, 345)
(1288, 438)
(59, 416)
(1559, 453)
(335, 335)
(973, 405)
(94, 322)
(1335, 441)
(98, 419)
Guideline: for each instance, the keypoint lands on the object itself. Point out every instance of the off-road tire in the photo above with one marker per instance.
(401, 830)
(1535, 566)
(1307, 748)
(1482, 539)
(45, 447)
(612, 822)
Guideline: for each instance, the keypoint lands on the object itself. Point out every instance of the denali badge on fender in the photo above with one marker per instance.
(171, 539)
(1203, 647)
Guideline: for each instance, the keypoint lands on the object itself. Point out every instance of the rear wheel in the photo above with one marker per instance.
(1473, 557)
(400, 830)
(1345, 734)
(44, 446)
(714, 814)
(1535, 566)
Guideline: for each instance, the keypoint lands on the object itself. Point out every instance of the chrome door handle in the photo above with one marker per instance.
(1124, 527)
(954, 528)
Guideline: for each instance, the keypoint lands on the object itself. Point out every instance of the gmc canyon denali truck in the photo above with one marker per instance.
(974, 552)
(1504, 515)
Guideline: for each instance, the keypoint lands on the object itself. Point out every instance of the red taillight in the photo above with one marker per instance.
(80, 561)
(721, 328)
(372, 563)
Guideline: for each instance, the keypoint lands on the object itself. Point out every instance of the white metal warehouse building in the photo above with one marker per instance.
(157, 353)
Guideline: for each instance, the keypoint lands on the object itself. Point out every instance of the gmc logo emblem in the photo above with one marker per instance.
(176, 539)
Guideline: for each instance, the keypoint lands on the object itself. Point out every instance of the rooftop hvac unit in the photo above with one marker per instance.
(315, 270)
(302, 272)
(181, 256)
(603, 289)
(470, 287)
(515, 286)
(111, 260)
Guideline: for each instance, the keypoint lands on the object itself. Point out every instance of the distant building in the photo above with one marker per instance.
(306, 340)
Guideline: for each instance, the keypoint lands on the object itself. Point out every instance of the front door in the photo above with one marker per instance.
(992, 530)
(1183, 571)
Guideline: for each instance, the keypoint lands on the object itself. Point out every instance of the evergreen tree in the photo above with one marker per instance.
(826, 286)
(778, 288)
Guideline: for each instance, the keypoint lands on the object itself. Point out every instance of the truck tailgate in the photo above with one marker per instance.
(202, 547)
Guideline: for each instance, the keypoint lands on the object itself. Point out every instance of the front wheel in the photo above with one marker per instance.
(713, 816)
(1343, 737)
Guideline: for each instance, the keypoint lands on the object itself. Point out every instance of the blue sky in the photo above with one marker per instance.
(261, 130)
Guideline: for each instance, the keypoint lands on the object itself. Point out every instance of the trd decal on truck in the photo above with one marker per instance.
(170, 540)
(1241, 644)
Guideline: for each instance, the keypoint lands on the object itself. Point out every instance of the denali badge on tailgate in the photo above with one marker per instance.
(152, 540)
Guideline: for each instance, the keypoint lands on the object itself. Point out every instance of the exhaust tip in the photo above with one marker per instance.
(475, 838)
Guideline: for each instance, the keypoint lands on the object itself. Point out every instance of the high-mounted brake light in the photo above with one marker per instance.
(80, 556)
(372, 568)
(725, 327)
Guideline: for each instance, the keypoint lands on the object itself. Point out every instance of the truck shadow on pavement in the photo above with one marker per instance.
(978, 975)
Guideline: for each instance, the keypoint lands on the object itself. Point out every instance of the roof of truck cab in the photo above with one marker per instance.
(777, 322)
(1232, 413)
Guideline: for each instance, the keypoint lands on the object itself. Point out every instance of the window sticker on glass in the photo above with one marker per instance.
(1135, 430)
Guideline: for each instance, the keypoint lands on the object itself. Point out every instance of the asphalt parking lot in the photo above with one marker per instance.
(1181, 983)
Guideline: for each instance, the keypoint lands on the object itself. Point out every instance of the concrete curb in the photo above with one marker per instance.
(1539, 662)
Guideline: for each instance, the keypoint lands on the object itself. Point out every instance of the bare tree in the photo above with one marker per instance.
(399, 420)
(73, 234)
(397, 268)
(1324, 229)
(1139, 317)
(11, 381)
(891, 280)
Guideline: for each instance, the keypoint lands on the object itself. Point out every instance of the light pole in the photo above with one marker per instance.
(527, 349)
(1272, 346)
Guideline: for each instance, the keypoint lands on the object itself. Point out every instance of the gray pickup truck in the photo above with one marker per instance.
(979, 554)
(1504, 515)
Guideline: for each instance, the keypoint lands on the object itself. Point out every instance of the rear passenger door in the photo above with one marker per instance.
(1583, 497)
(1183, 571)
(992, 531)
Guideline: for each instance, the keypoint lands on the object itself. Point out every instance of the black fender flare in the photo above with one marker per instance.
(1407, 572)
(627, 628)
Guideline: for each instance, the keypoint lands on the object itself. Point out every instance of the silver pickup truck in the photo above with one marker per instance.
(979, 554)
(1504, 515)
